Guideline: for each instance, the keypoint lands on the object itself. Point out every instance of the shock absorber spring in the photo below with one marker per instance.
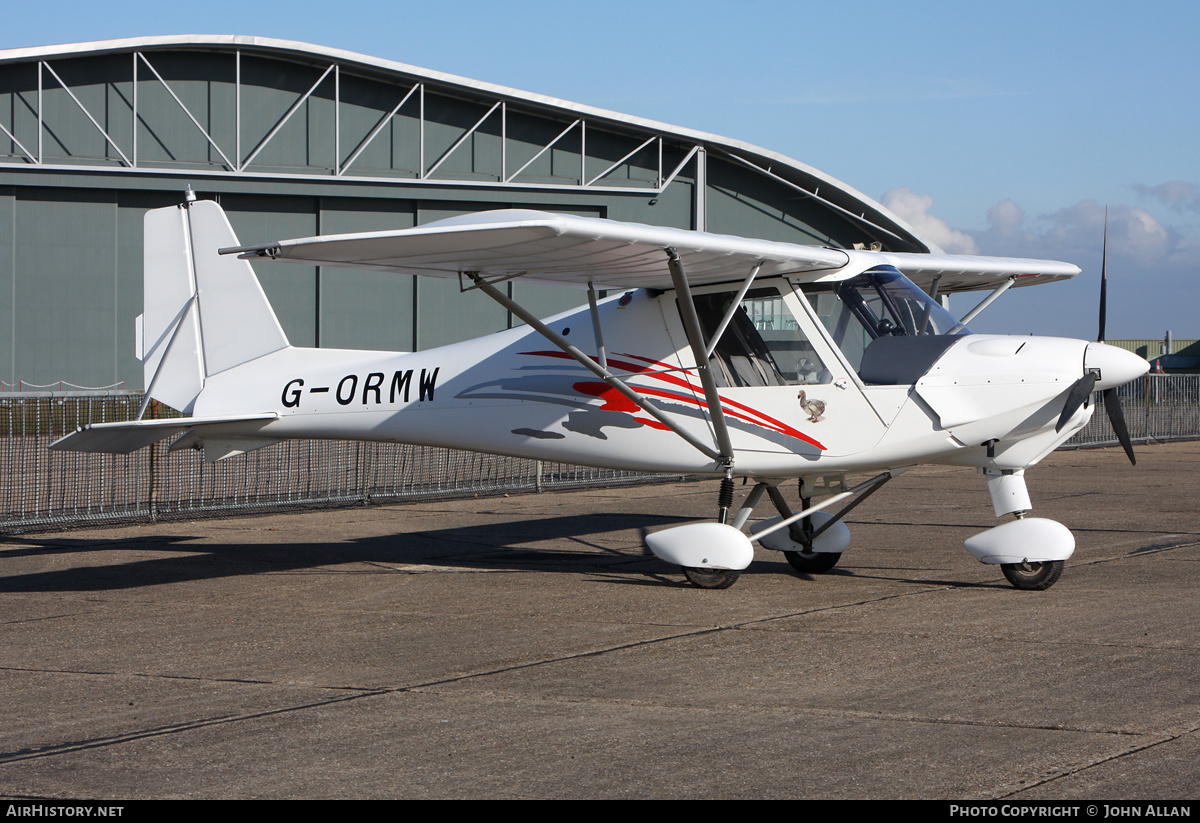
(725, 497)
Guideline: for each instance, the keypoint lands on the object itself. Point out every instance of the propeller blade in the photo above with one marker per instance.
(1103, 281)
(1078, 396)
(1112, 404)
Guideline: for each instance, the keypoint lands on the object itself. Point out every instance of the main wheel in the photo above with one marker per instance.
(813, 563)
(711, 578)
(1033, 576)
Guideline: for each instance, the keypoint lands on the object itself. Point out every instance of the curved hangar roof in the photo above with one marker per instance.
(254, 107)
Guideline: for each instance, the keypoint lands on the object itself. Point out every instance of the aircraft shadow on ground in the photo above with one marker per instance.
(509, 546)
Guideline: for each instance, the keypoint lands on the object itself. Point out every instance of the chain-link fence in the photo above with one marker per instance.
(41, 488)
(1155, 407)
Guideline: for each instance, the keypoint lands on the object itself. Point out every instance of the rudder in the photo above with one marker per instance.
(203, 313)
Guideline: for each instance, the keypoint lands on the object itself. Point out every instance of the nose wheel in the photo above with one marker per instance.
(1048, 542)
(1035, 577)
(711, 578)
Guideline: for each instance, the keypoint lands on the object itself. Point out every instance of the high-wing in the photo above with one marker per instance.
(554, 247)
(966, 272)
(569, 249)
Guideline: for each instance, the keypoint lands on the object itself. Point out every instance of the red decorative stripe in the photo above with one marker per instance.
(764, 420)
(657, 363)
(615, 401)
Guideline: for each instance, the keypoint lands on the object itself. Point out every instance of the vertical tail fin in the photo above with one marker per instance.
(203, 313)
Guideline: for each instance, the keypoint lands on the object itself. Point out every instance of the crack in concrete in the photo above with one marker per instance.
(1102, 761)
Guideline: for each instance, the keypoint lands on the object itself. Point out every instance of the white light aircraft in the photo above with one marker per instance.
(716, 355)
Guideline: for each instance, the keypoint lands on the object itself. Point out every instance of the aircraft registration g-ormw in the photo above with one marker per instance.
(712, 354)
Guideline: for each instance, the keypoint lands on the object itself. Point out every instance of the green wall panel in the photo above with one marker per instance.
(65, 287)
(744, 203)
(8, 219)
(205, 85)
(292, 289)
(365, 309)
(393, 150)
(443, 314)
(18, 110)
(268, 94)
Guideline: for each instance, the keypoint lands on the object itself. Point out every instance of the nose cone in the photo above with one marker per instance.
(1117, 366)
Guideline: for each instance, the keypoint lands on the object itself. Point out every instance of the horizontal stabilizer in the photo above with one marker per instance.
(219, 448)
(126, 437)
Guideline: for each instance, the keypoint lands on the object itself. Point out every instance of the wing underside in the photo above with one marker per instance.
(567, 249)
(556, 248)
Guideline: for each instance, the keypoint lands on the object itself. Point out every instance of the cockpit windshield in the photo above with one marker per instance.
(889, 330)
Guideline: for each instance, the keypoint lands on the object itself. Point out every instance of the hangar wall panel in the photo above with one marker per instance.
(444, 315)
(8, 251)
(205, 85)
(365, 309)
(65, 289)
(292, 289)
(744, 203)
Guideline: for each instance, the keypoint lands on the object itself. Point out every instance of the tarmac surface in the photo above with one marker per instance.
(528, 647)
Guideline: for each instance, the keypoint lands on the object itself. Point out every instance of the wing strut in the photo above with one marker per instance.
(591, 365)
(691, 324)
(601, 352)
(734, 306)
(987, 301)
(870, 487)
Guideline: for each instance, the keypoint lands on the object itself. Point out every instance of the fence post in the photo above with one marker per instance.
(366, 466)
(1146, 417)
(153, 474)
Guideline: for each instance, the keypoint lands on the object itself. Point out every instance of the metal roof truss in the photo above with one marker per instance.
(236, 160)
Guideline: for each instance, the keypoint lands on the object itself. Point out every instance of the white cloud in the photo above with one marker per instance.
(1153, 268)
(1154, 271)
(1005, 217)
(1077, 231)
(1177, 194)
(914, 209)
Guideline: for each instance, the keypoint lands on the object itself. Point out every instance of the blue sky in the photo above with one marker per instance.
(1001, 128)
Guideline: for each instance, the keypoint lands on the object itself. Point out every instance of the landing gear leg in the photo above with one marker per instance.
(1029, 550)
(805, 561)
(717, 578)
(812, 539)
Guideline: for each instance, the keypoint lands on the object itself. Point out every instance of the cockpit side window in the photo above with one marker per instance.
(763, 345)
(890, 331)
